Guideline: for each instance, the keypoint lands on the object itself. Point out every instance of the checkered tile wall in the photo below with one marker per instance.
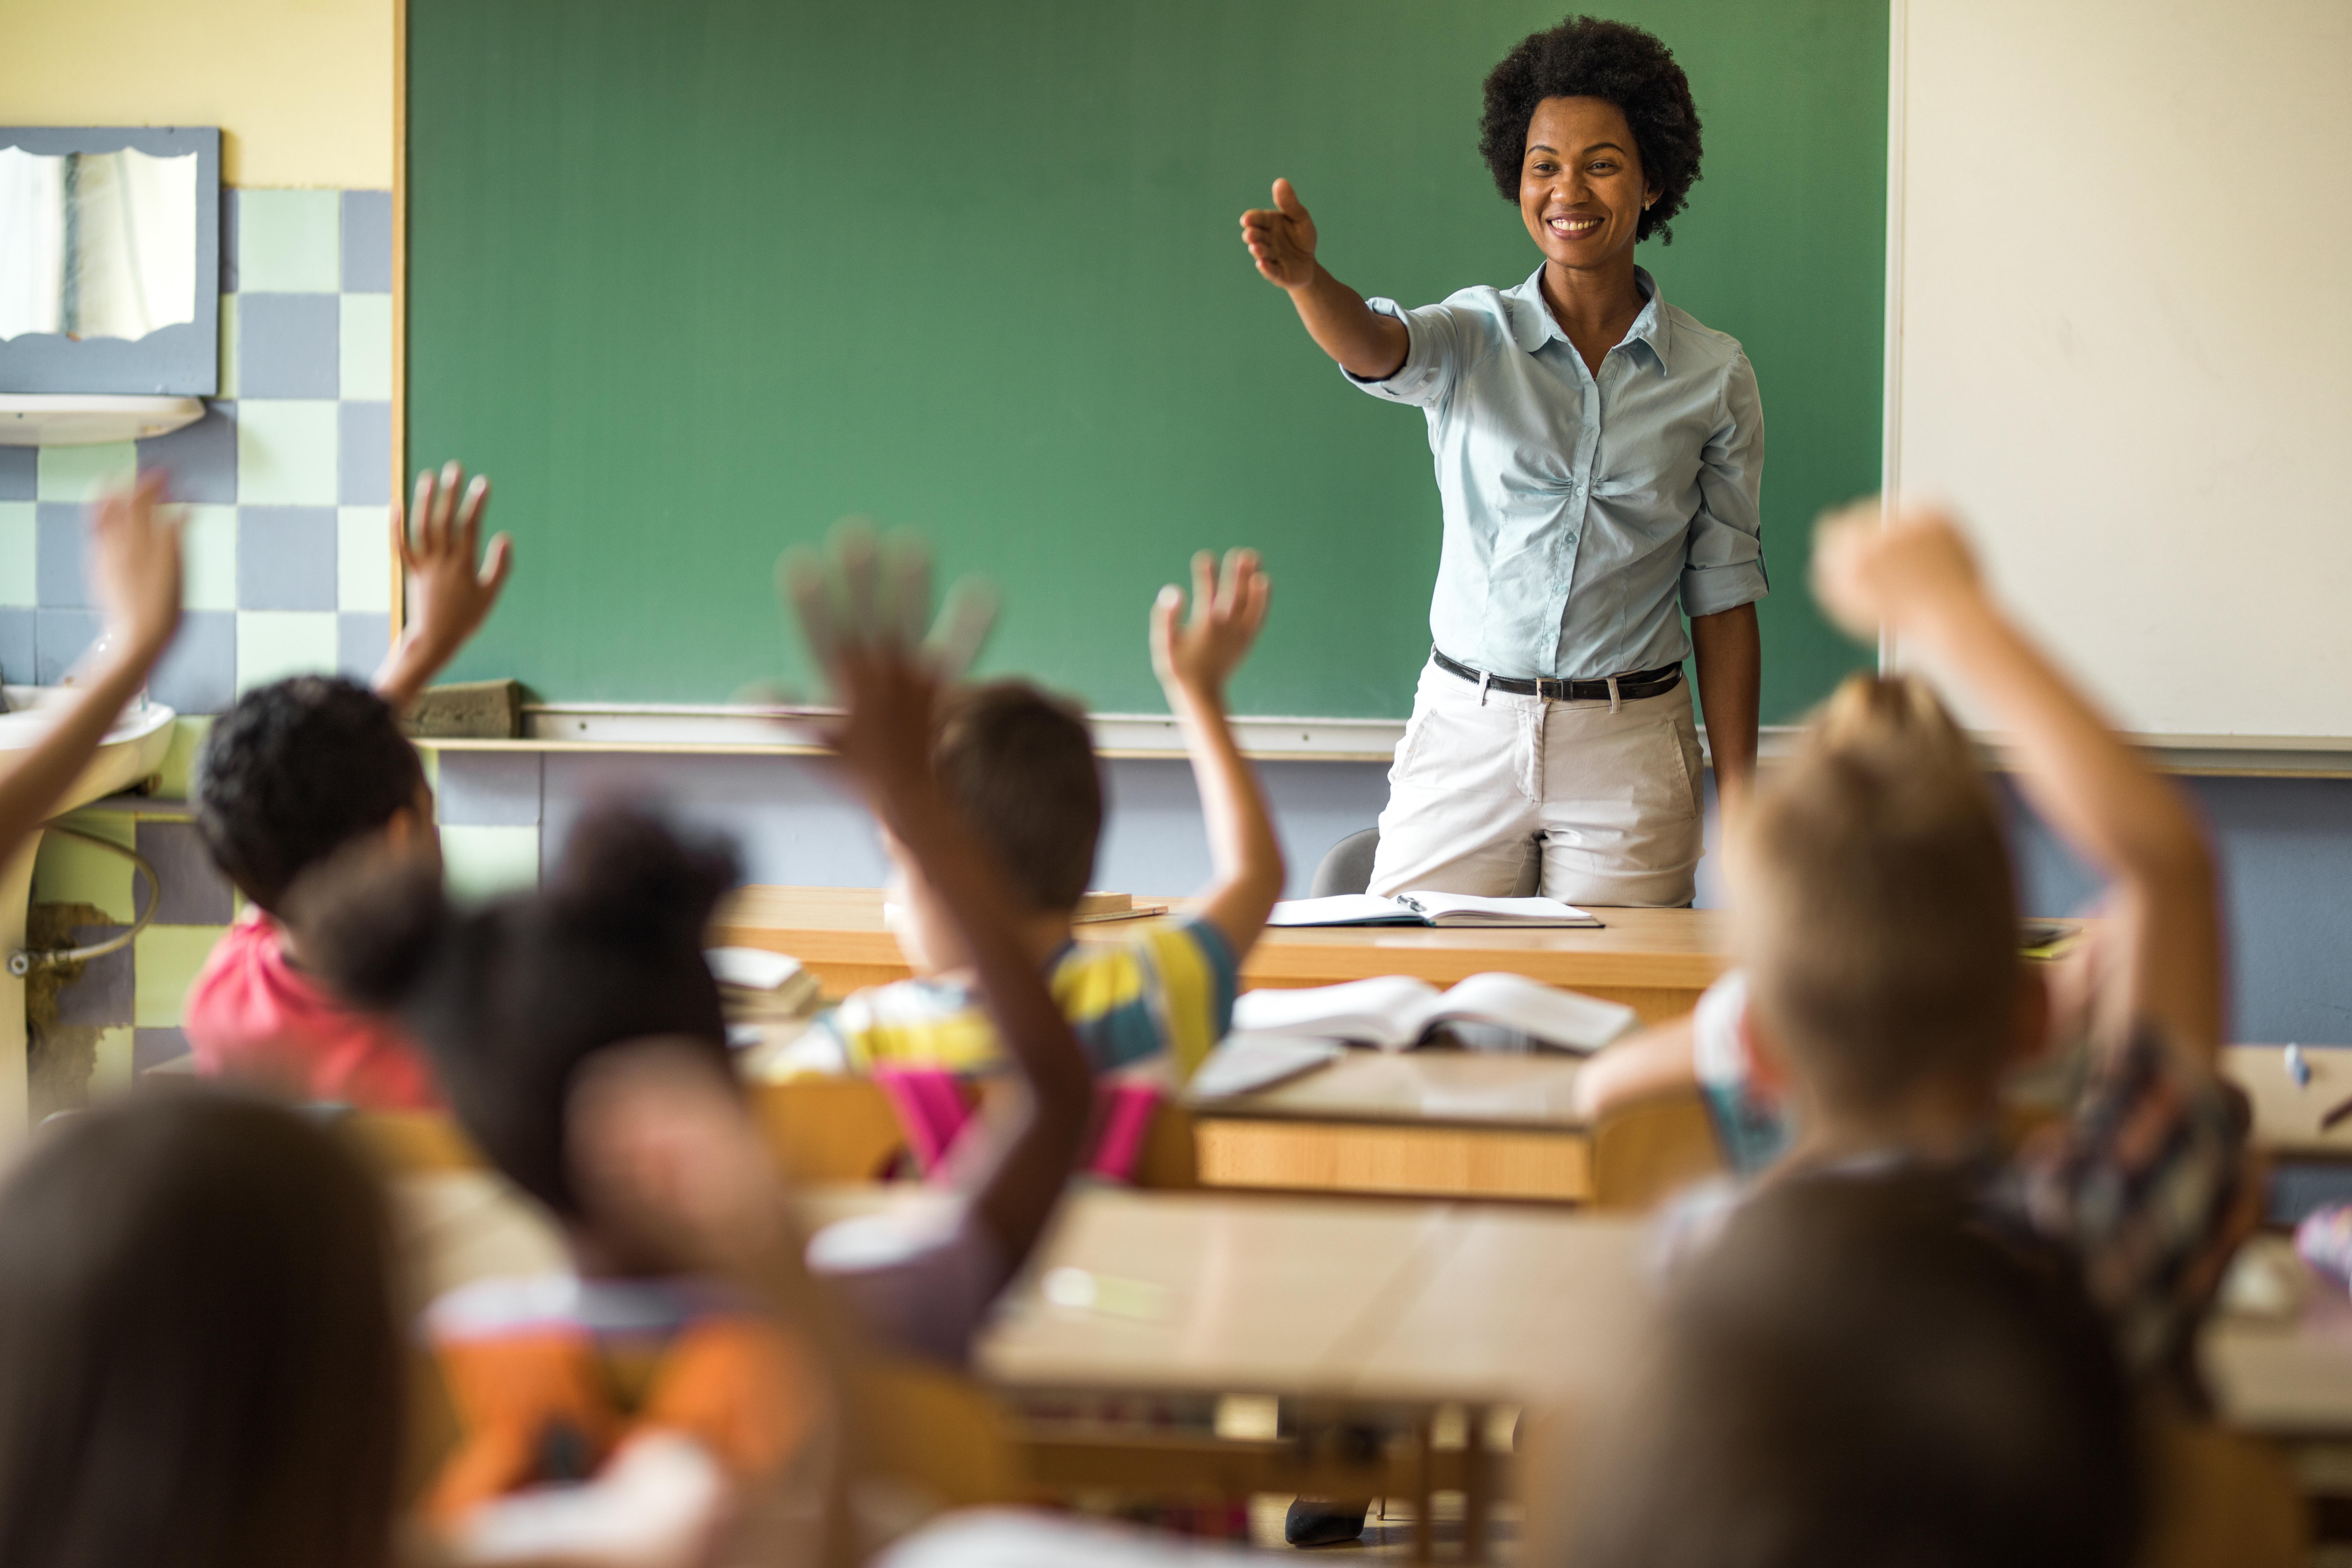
(286, 478)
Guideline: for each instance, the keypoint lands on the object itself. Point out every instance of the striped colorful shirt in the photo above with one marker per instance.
(1169, 988)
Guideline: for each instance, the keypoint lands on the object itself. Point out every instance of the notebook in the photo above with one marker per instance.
(1396, 1012)
(1426, 908)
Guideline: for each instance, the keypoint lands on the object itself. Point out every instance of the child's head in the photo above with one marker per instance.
(514, 998)
(199, 1361)
(1020, 766)
(1876, 911)
(1859, 1372)
(296, 770)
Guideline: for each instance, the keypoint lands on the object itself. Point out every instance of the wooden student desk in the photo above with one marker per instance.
(1433, 1123)
(1654, 960)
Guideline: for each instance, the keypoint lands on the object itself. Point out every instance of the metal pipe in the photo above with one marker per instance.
(24, 961)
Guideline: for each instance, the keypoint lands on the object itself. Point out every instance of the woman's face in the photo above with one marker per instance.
(1580, 186)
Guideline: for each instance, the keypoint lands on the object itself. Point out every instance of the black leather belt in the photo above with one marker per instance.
(1640, 683)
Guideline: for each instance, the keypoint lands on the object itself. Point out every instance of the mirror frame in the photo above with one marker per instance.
(181, 360)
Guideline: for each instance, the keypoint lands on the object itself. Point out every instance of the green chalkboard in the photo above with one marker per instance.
(692, 279)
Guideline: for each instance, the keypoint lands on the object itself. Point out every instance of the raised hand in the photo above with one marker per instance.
(862, 604)
(1281, 239)
(134, 568)
(452, 587)
(1199, 655)
(1873, 566)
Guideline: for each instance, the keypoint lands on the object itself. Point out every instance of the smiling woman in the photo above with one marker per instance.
(1600, 457)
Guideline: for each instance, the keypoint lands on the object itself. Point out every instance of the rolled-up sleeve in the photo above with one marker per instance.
(1723, 560)
(1431, 356)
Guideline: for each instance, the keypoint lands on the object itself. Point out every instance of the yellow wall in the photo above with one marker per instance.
(300, 89)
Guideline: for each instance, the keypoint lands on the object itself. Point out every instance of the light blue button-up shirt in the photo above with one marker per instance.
(1579, 509)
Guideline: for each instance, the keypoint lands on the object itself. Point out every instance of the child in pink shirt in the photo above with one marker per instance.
(296, 773)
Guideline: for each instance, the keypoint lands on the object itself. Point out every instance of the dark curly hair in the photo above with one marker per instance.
(1586, 57)
(295, 770)
(513, 998)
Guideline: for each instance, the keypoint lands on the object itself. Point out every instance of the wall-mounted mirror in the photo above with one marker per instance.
(109, 260)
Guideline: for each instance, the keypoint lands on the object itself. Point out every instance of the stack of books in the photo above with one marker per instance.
(757, 987)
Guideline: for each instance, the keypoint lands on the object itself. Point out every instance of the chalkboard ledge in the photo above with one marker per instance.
(725, 731)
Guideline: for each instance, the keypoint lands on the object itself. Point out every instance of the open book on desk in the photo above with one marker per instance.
(1396, 1012)
(1426, 908)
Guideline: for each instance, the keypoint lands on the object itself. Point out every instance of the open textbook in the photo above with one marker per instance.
(1396, 1012)
(1426, 908)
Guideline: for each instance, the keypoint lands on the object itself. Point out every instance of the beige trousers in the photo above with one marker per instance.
(1606, 795)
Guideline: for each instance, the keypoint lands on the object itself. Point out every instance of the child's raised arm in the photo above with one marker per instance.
(452, 587)
(1195, 657)
(134, 566)
(1281, 241)
(1916, 574)
(860, 611)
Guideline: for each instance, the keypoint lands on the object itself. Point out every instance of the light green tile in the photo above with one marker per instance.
(77, 473)
(366, 346)
(227, 346)
(274, 643)
(289, 242)
(165, 961)
(16, 582)
(363, 559)
(109, 1073)
(69, 871)
(484, 862)
(208, 557)
(285, 452)
(173, 779)
(431, 757)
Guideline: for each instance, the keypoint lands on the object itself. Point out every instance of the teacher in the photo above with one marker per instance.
(1599, 456)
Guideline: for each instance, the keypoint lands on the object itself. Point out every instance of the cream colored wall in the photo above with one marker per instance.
(300, 89)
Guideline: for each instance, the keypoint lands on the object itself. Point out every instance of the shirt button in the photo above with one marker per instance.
(1571, 538)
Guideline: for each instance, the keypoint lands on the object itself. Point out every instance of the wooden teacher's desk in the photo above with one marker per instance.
(1654, 960)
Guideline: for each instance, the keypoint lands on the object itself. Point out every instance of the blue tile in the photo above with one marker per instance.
(200, 457)
(194, 892)
(20, 473)
(59, 637)
(489, 789)
(286, 558)
(58, 579)
(153, 1047)
(105, 996)
(287, 345)
(362, 639)
(363, 448)
(197, 674)
(228, 239)
(367, 242)
(17, 665)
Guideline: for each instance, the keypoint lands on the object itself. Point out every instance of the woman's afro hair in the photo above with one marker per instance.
(1585, 57)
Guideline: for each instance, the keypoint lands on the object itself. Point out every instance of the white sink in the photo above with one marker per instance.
(131, 750)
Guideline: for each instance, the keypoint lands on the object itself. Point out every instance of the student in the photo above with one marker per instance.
(1020, 768)
(1600, 458)
(1878, 926)
(134, 572)
(296, 770)
(199, 1364)
(627, 1363)
(1860, 1373)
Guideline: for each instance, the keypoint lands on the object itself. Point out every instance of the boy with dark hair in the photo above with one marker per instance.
(298, 769)
(1020, 767)
(1859, 1373)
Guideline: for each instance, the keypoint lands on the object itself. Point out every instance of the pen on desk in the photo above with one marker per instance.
(2335, 1113)
(2299, 1068)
